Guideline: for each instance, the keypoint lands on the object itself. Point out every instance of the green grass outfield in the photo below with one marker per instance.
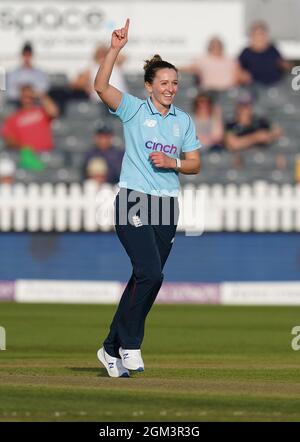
(203, 363)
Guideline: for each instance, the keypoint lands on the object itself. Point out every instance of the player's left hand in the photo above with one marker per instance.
(162, 160)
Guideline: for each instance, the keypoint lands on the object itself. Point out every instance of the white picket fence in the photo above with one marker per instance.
(260, 207)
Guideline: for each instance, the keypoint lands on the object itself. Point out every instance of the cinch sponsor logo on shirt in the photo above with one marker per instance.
(162, 148)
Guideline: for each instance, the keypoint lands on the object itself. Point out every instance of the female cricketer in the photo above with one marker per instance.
(157, 134)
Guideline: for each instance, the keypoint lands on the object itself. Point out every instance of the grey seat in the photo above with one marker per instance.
(134, 79)
(53, 159)
(136, 87)
(184, 104)
(69, 175)
(60, 127)
(6, 109)
(216, 160)
(25, 176)
(272, 97)
(2, 145)
(259, 159)
(76, 159)
(58, 79)
(290, 127)
(237, 176)
(187, 80)
(282, 177)
(11, 154)
(286, 144)
(72, 143)
(53, 176)
(84, 109)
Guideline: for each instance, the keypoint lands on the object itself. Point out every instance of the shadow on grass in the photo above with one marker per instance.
(101, 372)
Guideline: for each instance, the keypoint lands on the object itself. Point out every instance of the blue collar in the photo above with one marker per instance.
(154, 111)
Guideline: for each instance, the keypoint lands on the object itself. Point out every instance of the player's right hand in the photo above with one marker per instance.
(119, 37)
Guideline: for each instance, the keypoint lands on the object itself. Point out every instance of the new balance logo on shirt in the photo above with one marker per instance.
(150, 123)
(146, 131)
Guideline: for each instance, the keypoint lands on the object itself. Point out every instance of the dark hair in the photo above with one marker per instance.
(26, 86)
(259, 24)
(155, 64)
(215, 40)
(201, 96)
(104, 129)
(27, 48)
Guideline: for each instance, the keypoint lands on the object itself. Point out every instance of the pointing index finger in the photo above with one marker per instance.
(127, 24)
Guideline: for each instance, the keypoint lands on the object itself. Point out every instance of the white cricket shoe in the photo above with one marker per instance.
(132, 359)
(113, 365)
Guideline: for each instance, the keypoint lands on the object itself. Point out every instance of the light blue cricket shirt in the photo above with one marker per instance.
(146, 130)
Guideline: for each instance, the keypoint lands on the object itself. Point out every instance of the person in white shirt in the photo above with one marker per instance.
(26, 74)
(85, 80)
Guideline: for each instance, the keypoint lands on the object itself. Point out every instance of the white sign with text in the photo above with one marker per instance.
(64, 34)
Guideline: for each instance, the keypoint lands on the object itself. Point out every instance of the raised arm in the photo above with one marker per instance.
(109, 94)
(49, 106)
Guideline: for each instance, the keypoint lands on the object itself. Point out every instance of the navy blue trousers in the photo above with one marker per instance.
(147, 236)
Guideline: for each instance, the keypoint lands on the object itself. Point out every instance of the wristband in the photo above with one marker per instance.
(178, 163)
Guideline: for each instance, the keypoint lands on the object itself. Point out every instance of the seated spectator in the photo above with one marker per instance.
(104, 150)
(30, 125)
(97, 170)
(208, 122)
(249, 130)
(85, 80)
(215, 70)
(82, 88)
(261, 62)
(26, 74)
(7, 170)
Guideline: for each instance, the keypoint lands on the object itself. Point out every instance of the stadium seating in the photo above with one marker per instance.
(73, 135)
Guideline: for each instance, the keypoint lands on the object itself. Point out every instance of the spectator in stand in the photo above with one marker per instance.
(26, 74)
(215, 70)
(208, 122)
(7, 170)
(261, 62)
(248, 130)
(30, 125)
(82, 88)
(97, 170)
(85, 80)
(105, 151)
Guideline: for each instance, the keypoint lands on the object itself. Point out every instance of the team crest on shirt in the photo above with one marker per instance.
(137, 221)
(176, 130)
(150, 123)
